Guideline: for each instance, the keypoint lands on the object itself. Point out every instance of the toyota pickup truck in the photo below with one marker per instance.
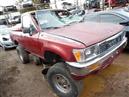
(72, 48)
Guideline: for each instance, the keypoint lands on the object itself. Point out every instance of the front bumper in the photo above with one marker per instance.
(80, 70)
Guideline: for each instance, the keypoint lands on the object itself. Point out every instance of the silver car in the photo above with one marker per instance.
(116, 16)
(5, 40)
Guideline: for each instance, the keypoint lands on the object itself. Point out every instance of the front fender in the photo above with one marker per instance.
(65, 52)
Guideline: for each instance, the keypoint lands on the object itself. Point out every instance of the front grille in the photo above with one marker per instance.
(111, 43)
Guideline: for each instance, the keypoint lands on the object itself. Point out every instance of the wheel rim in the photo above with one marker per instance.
(20, 56)
(61, 83)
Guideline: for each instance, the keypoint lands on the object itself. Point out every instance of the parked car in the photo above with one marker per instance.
(119, 16)
(26, 3)
(1, 12)
(72, 49)
(3, 22)
(5, 40)
(10, 8)
(14, 19)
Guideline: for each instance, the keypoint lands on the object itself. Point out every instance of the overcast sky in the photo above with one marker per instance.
(7, 2)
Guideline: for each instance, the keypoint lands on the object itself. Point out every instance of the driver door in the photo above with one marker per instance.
(30, 34)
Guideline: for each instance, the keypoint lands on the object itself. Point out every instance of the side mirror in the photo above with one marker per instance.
(124, 23)
(26, 30)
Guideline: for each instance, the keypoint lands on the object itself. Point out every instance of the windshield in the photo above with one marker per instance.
(55, 19)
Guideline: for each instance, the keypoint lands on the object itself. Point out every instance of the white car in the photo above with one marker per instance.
(5, 40)
(14, 20)
(27, 3)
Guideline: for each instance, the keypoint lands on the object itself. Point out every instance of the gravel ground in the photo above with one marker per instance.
(19, 80)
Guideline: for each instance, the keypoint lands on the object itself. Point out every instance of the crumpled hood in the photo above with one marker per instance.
(88, 33)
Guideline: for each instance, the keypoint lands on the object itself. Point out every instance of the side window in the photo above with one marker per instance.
(110, 18)
(26, 21)
(32, 25)
(28, 24)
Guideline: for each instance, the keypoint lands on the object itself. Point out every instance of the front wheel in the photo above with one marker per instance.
(61, 81)
(23, 55)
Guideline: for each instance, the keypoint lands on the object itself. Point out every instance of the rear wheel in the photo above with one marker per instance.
(61, 82)
(23, 55)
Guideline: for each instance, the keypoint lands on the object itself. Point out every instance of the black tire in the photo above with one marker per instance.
(61, 82)
(37, 60)
(23, 55)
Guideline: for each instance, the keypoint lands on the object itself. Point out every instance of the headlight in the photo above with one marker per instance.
(91, 52)
(87, 54)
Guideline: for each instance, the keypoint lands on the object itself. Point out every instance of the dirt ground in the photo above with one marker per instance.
(19, 80)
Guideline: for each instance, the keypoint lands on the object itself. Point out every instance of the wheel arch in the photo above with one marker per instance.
(49, 55)
(15, 42)
(63, 53)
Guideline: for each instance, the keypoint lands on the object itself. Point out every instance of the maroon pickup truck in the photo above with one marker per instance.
(72, 48)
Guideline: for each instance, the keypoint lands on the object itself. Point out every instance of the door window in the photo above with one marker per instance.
(26, 21)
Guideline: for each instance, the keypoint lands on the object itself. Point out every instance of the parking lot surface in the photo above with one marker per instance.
(19, 80)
